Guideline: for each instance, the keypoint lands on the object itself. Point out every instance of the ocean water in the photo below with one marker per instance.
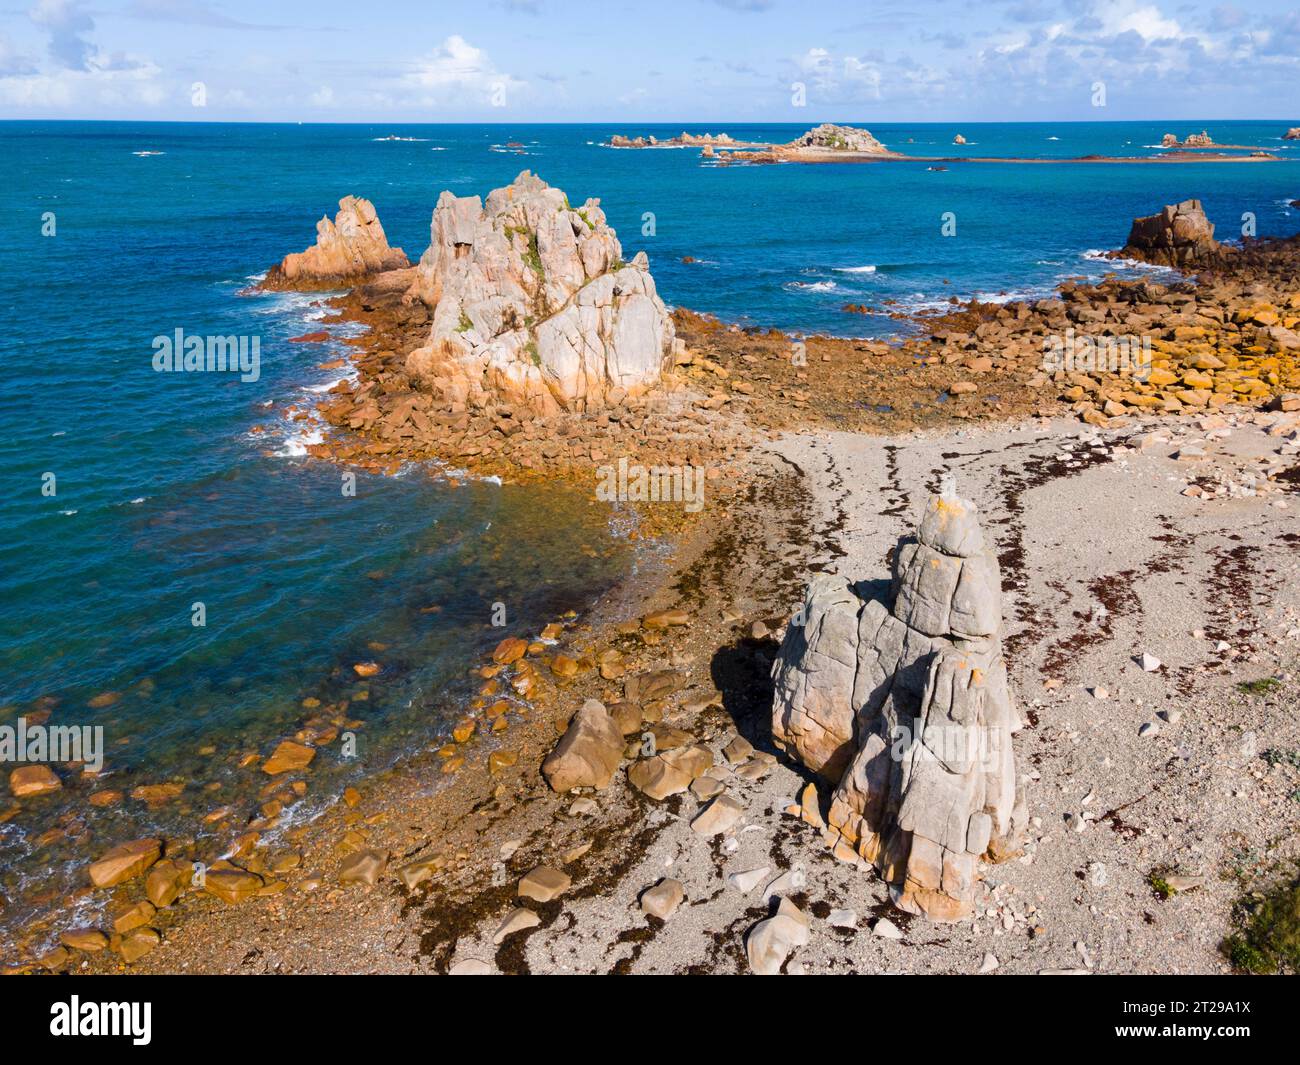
(172, 490)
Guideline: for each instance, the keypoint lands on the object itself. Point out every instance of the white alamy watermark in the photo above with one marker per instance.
(952, 744)
(77, 1018)
(53, 743)
(1097, 354)
(631, 483)
(181, 353)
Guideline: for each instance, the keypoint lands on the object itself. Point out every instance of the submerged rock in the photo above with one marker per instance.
(911, 696)
(533, 304)
(30, 780)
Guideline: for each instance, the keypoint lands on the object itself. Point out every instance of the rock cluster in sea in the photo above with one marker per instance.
(905, 705)
(1194, 140)
(1293, 134)
(350, 249)
(533, 304)
(839, 138)
(1179, 235)
(619, 140)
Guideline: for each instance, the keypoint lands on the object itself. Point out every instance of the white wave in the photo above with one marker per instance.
(392, 137)
(328, 386)
(148, 153)
(67, 513)
(868, 269)
(297, 443)
(1096, 255)
(812, 286)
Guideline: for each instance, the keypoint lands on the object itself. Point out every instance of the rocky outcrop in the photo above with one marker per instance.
(911, 697)
(840, 139)
(685, 140)
(349, 250)
(959, 139)
(1180, 235)
(1293, 134)
(533, 304)
(1194, 140)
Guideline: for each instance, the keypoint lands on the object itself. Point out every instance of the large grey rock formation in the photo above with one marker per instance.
(352, 248)
(911, 698)
(532, 303)
(1180, 235)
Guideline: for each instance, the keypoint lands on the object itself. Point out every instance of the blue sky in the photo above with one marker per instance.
(628, 60)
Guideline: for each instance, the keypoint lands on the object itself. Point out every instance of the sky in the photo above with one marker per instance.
(688, 61)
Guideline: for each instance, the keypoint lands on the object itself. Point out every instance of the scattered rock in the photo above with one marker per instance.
(770, 942)
(289, 756)
(28, 781)
(669, 773)
(886, 929)
(588, 753)
(135, 945)
(746, 881)
(516, 920)
(364, 867)
(719, 816)
(544, 884)
(663, 899)
(231, 884)
(738, 750)
(90, 940)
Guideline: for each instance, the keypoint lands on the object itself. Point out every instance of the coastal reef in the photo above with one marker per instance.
(906, 703)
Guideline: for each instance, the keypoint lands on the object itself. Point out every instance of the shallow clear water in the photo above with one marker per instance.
(167, 495)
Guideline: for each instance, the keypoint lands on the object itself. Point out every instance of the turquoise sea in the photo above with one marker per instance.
(166, 494)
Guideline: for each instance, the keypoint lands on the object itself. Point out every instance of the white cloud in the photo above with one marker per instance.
(458, 72)
(322, 97)
(1123, 16)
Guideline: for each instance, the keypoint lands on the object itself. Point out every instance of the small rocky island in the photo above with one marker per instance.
(347, 251)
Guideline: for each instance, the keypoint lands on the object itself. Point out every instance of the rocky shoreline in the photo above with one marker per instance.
(830, 143)
(692, 670)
